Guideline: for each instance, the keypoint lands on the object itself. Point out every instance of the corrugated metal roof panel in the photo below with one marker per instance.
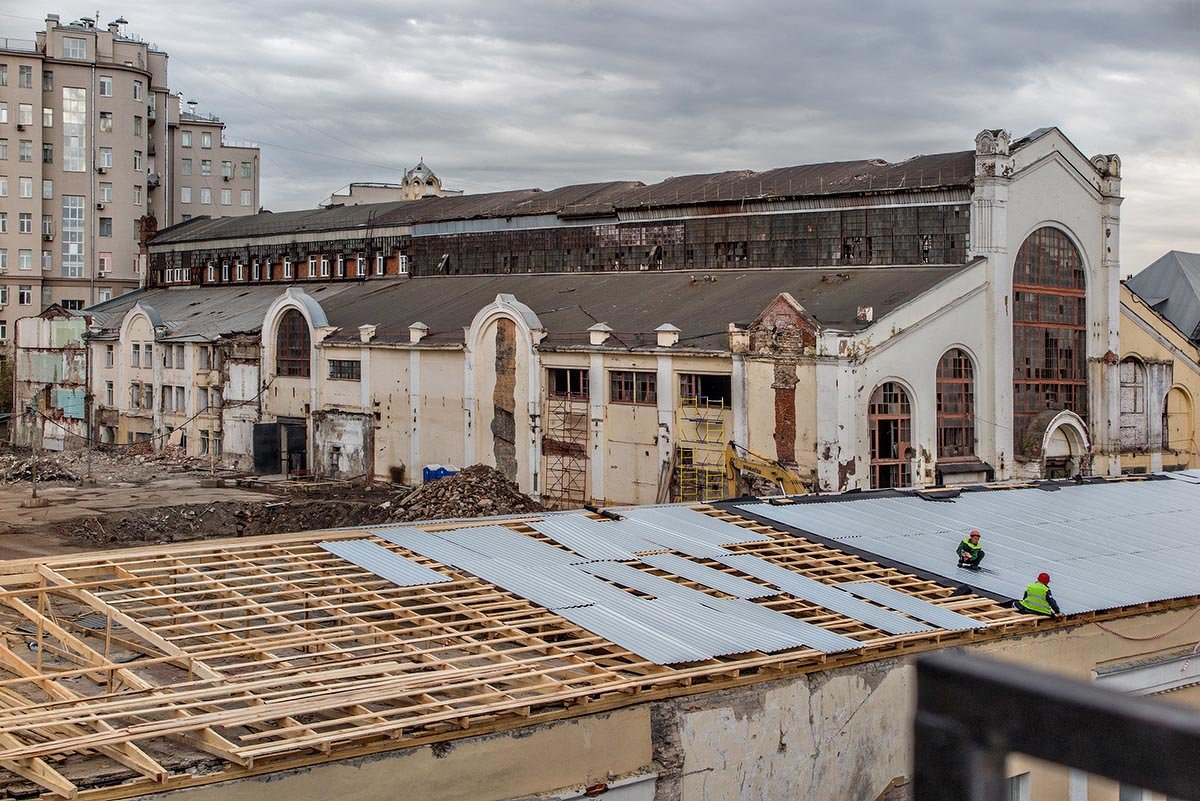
(913, 607)
(589, 541)
(426, 544)
(646, 639)
(505, 543)
(751, 614)
(1104, 545)
(697, 525)
(629, 576)
(824, 595)
(375, 558)
(709, 577)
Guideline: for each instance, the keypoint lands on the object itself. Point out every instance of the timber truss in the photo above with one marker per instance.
(130, 672)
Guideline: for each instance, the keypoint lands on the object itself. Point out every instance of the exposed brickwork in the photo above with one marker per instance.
(504, 401)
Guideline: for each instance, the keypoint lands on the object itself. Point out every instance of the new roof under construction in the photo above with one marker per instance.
(129, 672)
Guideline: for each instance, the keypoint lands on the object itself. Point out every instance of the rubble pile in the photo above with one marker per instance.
(14, 469)
(477, 491)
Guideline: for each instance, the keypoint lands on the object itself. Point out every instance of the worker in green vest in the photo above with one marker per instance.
(1038, 599)
(970, 552)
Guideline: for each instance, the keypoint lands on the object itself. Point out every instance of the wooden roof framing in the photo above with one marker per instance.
(272, 652)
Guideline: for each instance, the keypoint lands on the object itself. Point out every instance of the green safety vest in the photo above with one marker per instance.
(1035, 598)
(972, 546)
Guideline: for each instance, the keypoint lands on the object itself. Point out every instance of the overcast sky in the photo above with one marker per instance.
(505, 95)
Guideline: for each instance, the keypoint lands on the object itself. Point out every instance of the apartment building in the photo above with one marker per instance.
(211, 177)
(86, 130)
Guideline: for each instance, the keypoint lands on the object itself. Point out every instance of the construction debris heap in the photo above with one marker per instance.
(477, 491)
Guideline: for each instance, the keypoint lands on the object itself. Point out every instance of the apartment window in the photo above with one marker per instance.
(3, 295)
(47, 260)
(705, 390)
(246, 170)
(25, 259)
(324, 267)
(25, 295)
(341, 266)
(287, 268)
(569, 384)
(402, 264)
(360, 266)
(135, 351)
(72, 236)
(109, 391)
(137, 160)
(147, 395)
(25, 77)
(137, 90)
(255, 271)
(205, 196)
(47, 153)
(3, 331)
(47, 81)
(380, 264)
(206, 166)
(225, 272)
(47, 117)
(227, 169)
(638, 387)
(109, 355)
(185, 139)
(26, 222)
(241, 271)
(106, 86)
(106, 192)
(47, 189)
(3, 222)
(104, 293)
(25, 150)
(312, 266)
(185, 194)
(74, 129)
(137, 201)
(106, 226)
(186, 217)
(24, 114)
(226, 197)
(293, 345)
(105, 263)
(106, 158)
(72, 305)
(3, 148)
(4, 111)
(3, 75)
(148, 352)
(47, 225)
(25, 186)
(187, 166)
(206, 139)
(74, 47)
(137, 126)
(210, 272)
(245, 197)
(345, 369)
(3, 186)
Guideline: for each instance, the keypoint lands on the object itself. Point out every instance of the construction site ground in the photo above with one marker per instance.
(146, 499)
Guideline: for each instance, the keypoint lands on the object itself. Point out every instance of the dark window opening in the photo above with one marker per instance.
(629, 386)
(955, 406)
(345, 369)
(713, 390)
(293, 345)
(569, 384)
(889, 419)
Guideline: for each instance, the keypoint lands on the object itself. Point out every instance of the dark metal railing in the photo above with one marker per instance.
(972, 712)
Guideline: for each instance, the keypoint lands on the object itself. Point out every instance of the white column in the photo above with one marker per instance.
(666, 407)
(826, 373)
(599, 444)
(1077, 786)
(414, 417)
(741, 406)
(534, 387)
(468, 406)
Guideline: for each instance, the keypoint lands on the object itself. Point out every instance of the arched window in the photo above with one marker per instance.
(293, 345)
(889, 419)
(1178, 434)
(955, 405)
(1133, 404)
(1049, 328)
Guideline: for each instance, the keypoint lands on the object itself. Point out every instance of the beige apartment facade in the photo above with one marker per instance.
(85, 168)
(210, 177)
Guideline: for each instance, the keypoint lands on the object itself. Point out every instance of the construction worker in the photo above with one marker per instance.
(1038, 599)
(970, 553)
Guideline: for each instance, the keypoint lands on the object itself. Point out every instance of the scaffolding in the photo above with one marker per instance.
(700, 448)
(564, 452)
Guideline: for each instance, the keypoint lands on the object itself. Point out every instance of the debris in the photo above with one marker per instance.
(477, 491)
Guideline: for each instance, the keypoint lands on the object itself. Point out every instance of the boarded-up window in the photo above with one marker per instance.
(293, 345)
(1178, 433)
(1133, 404)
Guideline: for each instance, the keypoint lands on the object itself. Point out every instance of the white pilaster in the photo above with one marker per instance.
(598, 444)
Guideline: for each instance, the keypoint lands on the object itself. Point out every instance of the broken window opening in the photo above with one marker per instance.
(567, 383)
(955, 405)
(889, 420)
(710, 390)
(293, 345)
(636, 387)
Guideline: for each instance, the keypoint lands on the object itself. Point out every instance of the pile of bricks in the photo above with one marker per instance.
(477, 491)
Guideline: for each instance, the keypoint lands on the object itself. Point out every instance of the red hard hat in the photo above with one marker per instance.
(1044, 578)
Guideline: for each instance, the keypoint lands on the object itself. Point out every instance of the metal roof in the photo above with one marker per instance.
(696, 525)
(1104, 544)
(376, 559)
(709, 577)
(913, 607)
(1171, 285)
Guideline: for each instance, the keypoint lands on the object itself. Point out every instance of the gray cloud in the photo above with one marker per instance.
(516, 94)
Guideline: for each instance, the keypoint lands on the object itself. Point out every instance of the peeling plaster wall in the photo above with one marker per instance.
(441, 409)
(345, 444)
(630, 438)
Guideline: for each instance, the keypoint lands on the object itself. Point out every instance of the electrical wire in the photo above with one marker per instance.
(1135, 638)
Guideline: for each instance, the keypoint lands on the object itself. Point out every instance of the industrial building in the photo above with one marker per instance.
(742, 650)
(96, 153)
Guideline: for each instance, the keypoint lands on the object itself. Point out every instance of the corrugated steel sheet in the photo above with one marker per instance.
(646, 639)
(752, 615)
(1104, 545)
(697, 525)
(824, 595)
(375, 558)
(629, 576)
(589, 541)
(504, 543)
(913, 607)
(709, 577)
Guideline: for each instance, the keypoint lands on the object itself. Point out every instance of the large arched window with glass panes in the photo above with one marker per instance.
(955, 405)
(889, 421)
(293, 345)
(1049, 327)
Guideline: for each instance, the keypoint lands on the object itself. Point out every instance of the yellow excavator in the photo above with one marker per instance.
(740, 460)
